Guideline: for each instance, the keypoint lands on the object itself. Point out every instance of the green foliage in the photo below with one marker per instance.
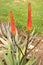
(1, 62)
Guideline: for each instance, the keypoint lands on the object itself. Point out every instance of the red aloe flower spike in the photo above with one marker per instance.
(29, 24)
(13, 28)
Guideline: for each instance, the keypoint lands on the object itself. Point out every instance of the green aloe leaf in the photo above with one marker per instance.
(3, 29)
(16, 37)
(8, 57)
(31, 61)
(23, 62)
(1, 63)
(17, 56)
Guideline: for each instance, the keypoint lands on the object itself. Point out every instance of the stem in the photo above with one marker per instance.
(18, 47)
(27, 42)
(26, 46)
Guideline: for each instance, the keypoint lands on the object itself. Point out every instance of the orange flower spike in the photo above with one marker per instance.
(29, 24)
(13, 28)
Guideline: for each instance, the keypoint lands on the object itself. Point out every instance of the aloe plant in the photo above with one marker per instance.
(15, 53)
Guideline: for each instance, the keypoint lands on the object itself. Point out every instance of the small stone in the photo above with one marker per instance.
(31, 47)
(36, 50)
(42, 40)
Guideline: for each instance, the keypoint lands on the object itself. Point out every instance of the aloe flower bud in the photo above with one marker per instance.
(13, 28)
(29, 23)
